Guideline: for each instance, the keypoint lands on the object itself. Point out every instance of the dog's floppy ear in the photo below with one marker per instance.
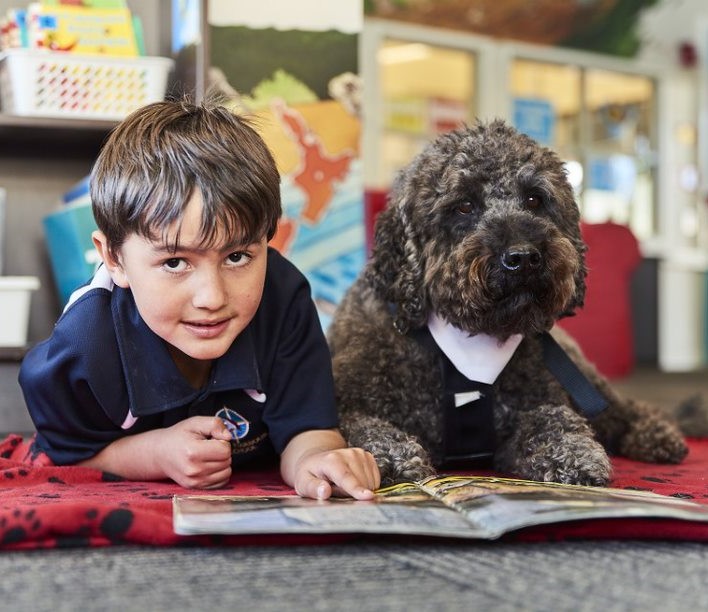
(395, 270)
(579, 297)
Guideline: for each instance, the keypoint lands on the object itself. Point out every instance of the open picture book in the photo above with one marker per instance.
(480, 507)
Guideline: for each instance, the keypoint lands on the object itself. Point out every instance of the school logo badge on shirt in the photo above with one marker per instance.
(235, 423)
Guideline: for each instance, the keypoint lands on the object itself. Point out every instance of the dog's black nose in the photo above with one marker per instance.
(521, 258)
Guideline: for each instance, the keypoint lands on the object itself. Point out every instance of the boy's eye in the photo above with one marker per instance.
(174, 264)
(239, 258)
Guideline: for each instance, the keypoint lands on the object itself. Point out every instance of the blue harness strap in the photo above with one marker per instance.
(583, 393)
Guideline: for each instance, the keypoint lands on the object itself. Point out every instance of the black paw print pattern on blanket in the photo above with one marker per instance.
(45, 506)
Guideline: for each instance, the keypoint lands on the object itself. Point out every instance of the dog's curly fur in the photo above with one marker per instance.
(481, 228)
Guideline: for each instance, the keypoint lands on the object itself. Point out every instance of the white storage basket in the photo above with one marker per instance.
(15, 298)
(46, 84)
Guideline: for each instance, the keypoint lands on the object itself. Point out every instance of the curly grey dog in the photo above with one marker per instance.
(479, 249)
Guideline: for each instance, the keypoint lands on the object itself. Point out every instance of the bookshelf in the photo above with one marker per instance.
(29, 137)
(40, 158)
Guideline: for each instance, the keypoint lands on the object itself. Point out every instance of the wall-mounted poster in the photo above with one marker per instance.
(294, 65)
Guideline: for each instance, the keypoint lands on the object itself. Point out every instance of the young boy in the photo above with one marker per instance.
(195, 349)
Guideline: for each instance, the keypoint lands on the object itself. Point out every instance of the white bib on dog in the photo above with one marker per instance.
(479, 357)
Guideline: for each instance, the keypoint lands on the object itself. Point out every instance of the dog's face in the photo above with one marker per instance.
(483, 229)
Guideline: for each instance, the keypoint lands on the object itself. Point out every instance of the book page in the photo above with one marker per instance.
(399, 509)
(498, 505)
(448, 506)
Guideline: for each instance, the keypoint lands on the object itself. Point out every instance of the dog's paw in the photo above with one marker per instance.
(576, 459)
(654, 440)
(404, 463)
(554, 444)
(399, 456)
(692, 416)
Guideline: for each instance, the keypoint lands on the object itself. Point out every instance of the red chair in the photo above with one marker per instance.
(374, 203)
(603, 327)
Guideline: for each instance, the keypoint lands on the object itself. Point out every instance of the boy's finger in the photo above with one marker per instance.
(211, 479)
(373, 475)
(220, 431)
(209, 427)
(314, 488)
(215, 450)
(351, 485)
(365, 472)
(218, 479)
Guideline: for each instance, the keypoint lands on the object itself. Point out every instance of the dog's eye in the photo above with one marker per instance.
(465, 208)
(534, 202)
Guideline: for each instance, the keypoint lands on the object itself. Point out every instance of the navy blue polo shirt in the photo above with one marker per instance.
(103, 374)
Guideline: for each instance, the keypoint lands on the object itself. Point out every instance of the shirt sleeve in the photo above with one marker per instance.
(299, 383)
(56, 380)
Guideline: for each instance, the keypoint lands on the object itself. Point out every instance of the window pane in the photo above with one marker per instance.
(602, 124)
(546, 101)
(621, 150)
(556, 86)
(426, 90)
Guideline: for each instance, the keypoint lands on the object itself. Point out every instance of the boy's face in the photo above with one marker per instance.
(198, 300)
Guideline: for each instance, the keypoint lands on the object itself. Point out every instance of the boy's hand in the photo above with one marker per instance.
(345, 471)
(196, 453)
(317, 464)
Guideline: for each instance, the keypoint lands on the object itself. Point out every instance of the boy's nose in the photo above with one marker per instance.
(209, 291)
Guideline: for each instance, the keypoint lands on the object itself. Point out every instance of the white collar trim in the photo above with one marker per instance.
(101, 279)
(480, 357)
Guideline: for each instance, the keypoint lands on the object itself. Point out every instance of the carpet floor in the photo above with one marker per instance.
(376, 576)
(369, 574)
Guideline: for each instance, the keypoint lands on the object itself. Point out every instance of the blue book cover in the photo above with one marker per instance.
(77, 193)
(71, 251)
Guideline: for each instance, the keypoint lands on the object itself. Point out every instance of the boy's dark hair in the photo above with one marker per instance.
(153, 160)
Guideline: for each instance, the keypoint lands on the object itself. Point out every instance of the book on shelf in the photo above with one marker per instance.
(73, 257)
(13, 29)
(78, 193)
(96, 29)
(479, 507)
(88, 3)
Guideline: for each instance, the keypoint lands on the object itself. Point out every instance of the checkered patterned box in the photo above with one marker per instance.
(51, 84)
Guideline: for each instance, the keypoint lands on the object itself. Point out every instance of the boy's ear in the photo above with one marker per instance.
(112, 264)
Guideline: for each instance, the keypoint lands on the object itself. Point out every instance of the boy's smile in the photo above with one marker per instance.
(198, 299)
(207, 329)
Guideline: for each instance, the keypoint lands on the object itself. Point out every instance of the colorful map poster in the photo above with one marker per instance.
(296, 70)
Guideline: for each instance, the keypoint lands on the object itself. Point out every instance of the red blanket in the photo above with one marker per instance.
(44, 506)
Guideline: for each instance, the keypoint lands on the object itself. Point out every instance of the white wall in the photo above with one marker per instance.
(342, 15)
(665, 25)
